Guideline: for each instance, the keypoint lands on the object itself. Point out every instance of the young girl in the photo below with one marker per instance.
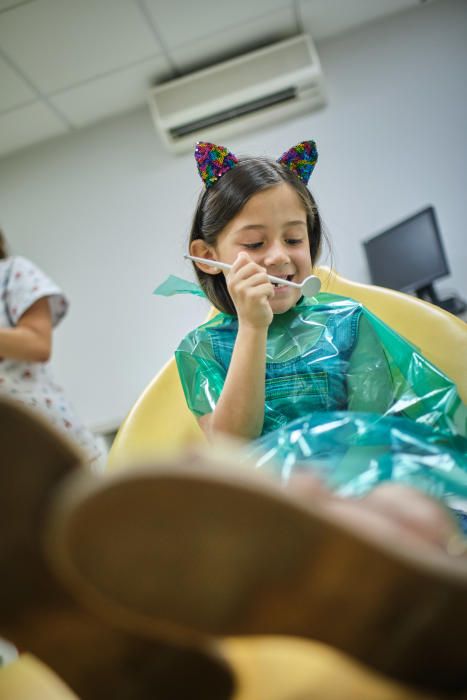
(279, 365)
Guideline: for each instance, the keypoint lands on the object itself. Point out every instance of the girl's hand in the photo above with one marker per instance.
(250, 289)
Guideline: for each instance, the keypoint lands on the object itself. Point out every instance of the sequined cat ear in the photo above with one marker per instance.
(213, 162)
(301, 159)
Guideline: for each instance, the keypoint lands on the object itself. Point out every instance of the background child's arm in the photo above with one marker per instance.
(31, 339)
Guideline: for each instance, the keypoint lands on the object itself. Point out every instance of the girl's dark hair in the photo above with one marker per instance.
(3, 246)
(219, 204)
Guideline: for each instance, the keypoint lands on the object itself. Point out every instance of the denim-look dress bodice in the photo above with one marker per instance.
(307, 360)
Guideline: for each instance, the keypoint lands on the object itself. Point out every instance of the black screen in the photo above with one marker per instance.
(408, 256)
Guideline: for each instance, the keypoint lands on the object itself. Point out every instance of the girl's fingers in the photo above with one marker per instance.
(241, 260)
(250, 281)
(264, 289)
(245, 272)
(244, 265)
(258, 291)
(255, 286)
(249, 287)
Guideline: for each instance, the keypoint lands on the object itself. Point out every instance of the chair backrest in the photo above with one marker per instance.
(440, 336)
(160, 421)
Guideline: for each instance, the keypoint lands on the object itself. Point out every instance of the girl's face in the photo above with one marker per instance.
(272, 229)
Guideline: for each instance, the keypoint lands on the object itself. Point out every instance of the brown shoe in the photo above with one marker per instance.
(220, 550)
(96, 657)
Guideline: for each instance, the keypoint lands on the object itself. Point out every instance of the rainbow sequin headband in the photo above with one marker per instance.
(214, 161)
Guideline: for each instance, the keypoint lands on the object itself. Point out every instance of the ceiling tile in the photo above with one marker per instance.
(25, 126)
(207, 18)
(58, 43)
(241, 38)
(14, 91)
(111, 94)
(325, 18)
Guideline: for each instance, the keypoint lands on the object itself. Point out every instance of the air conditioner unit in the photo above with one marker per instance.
(265, 86)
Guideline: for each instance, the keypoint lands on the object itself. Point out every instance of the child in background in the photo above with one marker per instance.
(31, 305)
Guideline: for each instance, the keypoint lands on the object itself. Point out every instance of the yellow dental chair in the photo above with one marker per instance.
(160, 423)
(27, 678)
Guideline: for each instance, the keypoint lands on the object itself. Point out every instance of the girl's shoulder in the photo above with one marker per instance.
(326, 303)
(201, 334)
(220, 321)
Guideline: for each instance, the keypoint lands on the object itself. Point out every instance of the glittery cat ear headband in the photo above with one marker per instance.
(214, 161)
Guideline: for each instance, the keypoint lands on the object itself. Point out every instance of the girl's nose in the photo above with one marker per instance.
(276, 255)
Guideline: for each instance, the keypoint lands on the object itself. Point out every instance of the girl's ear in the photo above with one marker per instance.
(201, 249)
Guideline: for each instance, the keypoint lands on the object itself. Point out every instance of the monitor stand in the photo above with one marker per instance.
(455, 305)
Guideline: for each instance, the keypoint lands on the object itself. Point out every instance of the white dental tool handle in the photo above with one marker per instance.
(226, 266)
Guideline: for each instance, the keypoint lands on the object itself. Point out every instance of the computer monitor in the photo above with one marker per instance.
(409, 257)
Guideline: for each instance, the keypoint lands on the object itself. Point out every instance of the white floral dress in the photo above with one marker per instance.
(22, 284)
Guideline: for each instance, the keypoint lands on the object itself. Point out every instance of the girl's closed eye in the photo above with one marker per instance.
(294, 241)
(253, 246)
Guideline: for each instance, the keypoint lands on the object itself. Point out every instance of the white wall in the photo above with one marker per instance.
(106, 211)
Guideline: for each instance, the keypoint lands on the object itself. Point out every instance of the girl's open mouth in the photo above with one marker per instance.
(288, 278)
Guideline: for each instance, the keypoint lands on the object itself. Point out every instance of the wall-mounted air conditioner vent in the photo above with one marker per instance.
(253, 90)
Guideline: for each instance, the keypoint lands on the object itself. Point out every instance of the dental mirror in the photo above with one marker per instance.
(310, 286)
